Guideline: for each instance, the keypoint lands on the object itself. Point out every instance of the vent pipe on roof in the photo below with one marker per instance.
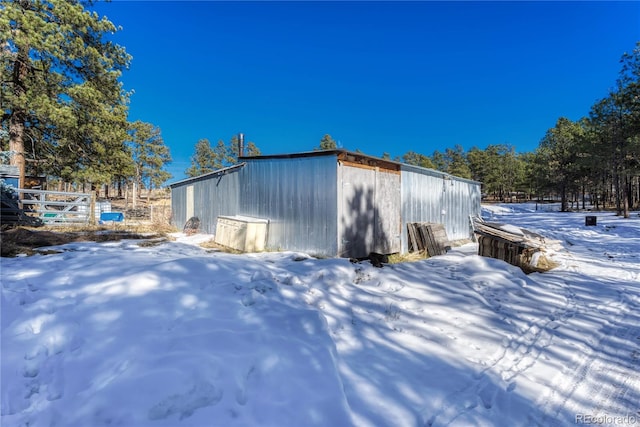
(240, 144)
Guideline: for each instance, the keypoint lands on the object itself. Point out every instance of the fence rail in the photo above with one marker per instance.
(56, 207)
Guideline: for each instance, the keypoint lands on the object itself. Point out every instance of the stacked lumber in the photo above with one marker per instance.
(12, 214)
(427, 237)
(497, 248)
(514, 245)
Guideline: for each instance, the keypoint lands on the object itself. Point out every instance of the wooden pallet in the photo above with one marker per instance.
(430, 238)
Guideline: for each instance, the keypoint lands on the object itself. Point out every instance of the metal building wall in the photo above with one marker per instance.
(179, 206)
(369, 218)
(214, 194)
(298, 196)
(431, 196)
(302, 197)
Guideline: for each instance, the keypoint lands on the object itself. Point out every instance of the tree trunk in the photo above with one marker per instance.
(18, 116)
(625, 196)
(16, 144)
(134, 197)
(563, 198)
(629, 193)
(618, 196)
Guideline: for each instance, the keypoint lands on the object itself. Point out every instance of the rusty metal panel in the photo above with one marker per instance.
(432, 196)
(298, 197)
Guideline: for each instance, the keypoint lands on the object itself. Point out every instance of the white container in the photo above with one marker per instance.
(101, 206)
(242, 233)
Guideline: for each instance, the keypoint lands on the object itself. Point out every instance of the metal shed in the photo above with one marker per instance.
(207, 197)
(329, 203)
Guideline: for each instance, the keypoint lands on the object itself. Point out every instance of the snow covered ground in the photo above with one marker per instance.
(118, 334)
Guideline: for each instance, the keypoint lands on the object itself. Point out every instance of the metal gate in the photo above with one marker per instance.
(54, 207)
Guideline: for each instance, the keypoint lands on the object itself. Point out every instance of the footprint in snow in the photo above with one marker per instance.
(201, 395)
(241, 394)
(261, 275)
(488, 395)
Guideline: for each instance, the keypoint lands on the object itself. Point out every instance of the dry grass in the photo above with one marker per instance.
(211, 244)
(408, 257)
(420, 255)
(23, 240)
(544, 263)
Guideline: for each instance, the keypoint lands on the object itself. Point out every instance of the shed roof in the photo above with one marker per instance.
(9, 170)
(364, 159)
(437, 173)
(218, 172)
(350, 157)
(341, 155)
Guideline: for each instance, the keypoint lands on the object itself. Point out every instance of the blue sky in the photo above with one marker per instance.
(376, 76)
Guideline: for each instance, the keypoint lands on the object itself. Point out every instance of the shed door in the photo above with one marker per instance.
(370, 219)
(190, 202)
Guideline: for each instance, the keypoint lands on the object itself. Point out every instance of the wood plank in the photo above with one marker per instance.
(413, 238)
(428, 237)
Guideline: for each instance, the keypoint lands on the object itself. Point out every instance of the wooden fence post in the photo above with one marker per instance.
(92, 208)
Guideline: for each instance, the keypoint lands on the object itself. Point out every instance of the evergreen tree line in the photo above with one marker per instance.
(207, 158)
(64, 109)
(594, 161)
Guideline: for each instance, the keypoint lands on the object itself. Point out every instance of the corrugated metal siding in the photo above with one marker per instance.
(429, 196)
(304, 199)
(212, 196)
(298, 197)
(179, 206)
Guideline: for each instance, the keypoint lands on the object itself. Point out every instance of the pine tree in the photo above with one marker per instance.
(456, 161)
(250, 149)
(439, 161)
(63, 106)
(150, 155)
(417, 159)
(203, 160)
(558, 151)
(223, 155)
(478, 164)
(208, 159)
(327, 143)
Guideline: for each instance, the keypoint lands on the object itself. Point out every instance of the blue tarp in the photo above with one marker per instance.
(111, 217)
